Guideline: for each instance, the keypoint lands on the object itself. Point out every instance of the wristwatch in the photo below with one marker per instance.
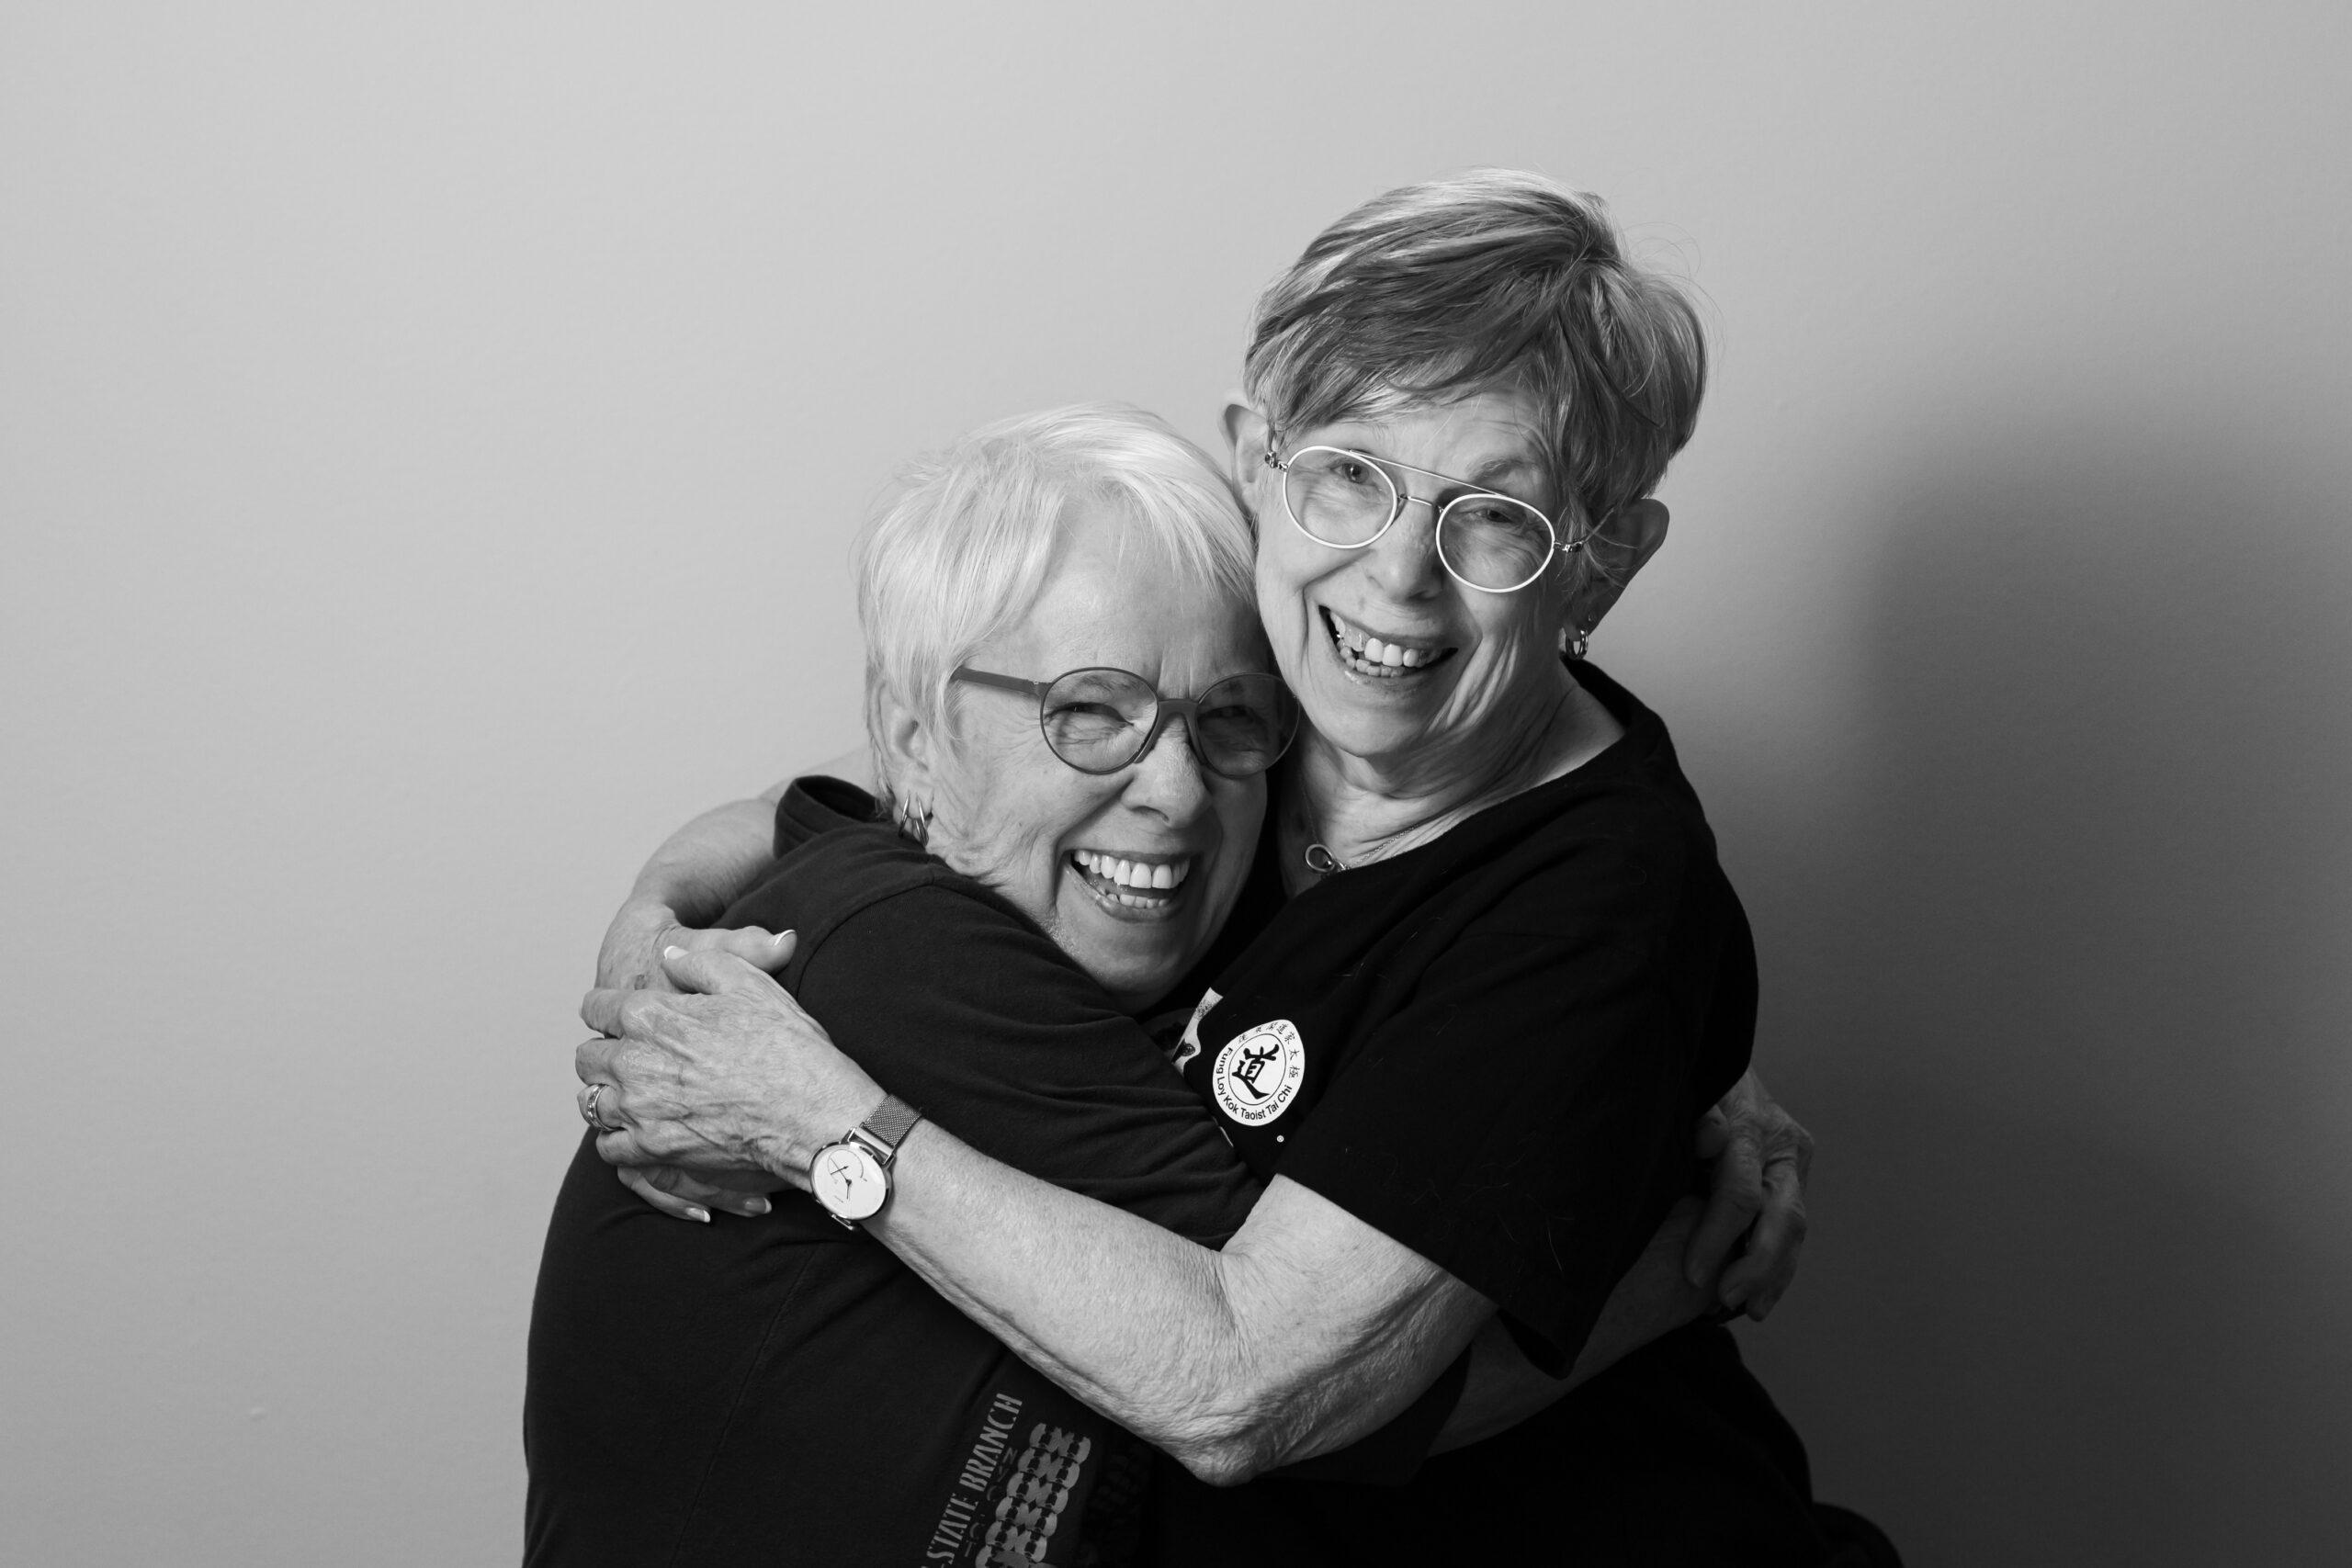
(851, 1176)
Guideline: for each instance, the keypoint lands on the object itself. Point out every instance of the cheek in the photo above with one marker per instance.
(1282, 582)
(1052, 807)
(1241, 815)
(1516, 628)
(1020, 802)
(1058, 805)
(1273, 590)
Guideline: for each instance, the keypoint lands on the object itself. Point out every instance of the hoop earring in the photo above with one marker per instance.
(914, 822)
(1580, 643)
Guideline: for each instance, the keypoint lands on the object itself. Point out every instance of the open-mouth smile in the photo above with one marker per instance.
(1136, 884)
(1360, 653)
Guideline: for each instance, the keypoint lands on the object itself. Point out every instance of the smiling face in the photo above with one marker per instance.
(1396, 664)
(1132, 874)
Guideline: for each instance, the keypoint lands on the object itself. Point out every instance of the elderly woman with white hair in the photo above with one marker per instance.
(1463, 1056)
(787, 1391)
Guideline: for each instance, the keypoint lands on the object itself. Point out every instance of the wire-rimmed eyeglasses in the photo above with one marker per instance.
(1347, 500)
(1099, 719)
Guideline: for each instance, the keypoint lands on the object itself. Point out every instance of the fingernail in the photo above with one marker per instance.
(701, 1216)
(755, 1207)
(779, 939)
(674, 953)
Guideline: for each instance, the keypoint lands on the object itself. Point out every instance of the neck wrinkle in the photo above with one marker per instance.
(1361, 814)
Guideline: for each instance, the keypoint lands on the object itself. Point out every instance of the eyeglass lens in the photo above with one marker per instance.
(1345, 499)
(1099, 720)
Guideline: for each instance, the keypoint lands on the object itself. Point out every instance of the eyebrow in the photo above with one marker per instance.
(1483, 477)
(1486, 472)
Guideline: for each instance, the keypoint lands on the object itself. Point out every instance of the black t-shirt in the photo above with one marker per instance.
(1493, 1048)
(782, 1390)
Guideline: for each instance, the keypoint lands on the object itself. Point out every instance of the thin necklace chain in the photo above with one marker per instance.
(1323, 862)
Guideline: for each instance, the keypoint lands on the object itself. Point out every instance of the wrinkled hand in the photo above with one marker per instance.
(1761, 1156)
(725, 1074)
(630, 958)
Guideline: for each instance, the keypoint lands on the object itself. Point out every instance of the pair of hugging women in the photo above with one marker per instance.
(1210, 1117)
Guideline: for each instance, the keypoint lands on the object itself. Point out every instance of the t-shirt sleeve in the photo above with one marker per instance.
(1524, 1119)
(978, 1021)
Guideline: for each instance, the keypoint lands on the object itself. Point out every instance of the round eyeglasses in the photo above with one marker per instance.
(1100, 720)
(1348, 500)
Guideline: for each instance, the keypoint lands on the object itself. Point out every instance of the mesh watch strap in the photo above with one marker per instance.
(890, 1123)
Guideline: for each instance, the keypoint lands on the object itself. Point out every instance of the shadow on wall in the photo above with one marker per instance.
(2063, 988)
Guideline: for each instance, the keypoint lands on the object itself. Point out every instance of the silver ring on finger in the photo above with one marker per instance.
(590, 1109)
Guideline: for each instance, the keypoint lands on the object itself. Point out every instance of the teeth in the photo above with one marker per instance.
(1372, 651)
(1143, 876)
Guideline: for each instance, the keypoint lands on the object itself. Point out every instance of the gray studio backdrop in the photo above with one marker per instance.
(429, 439)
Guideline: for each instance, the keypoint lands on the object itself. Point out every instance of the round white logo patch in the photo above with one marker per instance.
(1258, 1072)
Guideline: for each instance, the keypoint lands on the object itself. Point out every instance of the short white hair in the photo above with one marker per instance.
(957, 559)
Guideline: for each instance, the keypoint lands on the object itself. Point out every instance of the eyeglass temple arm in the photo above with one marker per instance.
(1003, 683)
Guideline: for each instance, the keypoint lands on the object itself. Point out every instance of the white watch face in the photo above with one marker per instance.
(848, 1180)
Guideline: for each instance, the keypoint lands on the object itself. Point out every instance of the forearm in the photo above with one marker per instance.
(1652, 1300)
(707, 864)
(1192, 1349)
(1503, 1389)
(715, 859)
(691, 879)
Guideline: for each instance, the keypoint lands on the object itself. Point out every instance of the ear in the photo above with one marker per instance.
(1637, 529)
(903, 746)
(1245, 439)
(1619, 547)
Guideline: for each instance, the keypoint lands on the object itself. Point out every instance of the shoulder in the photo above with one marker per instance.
(1616, 851)
(817, 802)
(1619, 848)
(834, 883)
(881, 919)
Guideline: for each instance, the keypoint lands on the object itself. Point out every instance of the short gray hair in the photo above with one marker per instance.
(1494, 279)
(958, 558)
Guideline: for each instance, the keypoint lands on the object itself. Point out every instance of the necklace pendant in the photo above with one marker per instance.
(1321, 860)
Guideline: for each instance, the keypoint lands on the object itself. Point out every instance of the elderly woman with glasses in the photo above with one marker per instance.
(787, 1390)
(1464, 1055)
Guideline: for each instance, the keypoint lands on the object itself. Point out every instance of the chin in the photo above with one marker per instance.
(1370, 735)
(1128, 972)
(1136, 987)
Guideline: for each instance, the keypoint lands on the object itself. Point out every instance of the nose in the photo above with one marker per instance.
(1168, 778)
(1403, 561)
